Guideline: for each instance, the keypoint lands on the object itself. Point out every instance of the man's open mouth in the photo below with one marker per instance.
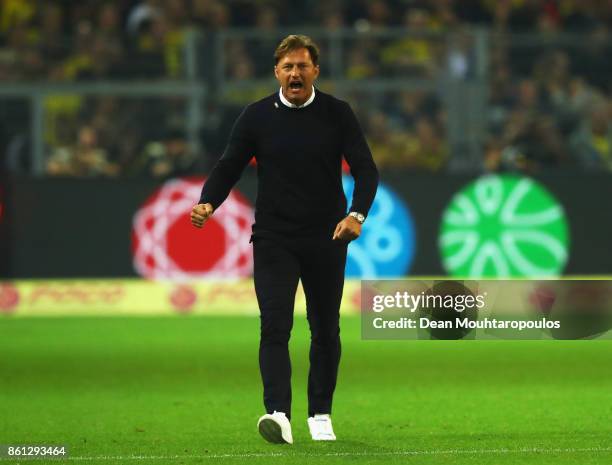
(295, 85)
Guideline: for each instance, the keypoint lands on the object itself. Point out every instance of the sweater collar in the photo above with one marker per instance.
(287, 103)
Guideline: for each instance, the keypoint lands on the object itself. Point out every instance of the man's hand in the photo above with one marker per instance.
(347, 230)
(200, 213)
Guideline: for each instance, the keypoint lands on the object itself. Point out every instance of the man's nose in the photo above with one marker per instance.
(295, 72)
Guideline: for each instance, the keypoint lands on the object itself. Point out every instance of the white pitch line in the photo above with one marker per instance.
(534, 450)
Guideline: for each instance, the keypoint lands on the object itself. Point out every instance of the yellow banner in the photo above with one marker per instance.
(112, 297)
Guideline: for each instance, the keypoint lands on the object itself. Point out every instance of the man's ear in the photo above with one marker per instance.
(275, 72)
(317, 70)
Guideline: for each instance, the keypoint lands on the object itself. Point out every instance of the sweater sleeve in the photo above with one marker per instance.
(359, 158)
(229, 167)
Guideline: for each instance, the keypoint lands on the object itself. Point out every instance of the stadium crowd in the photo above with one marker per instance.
(549, 94)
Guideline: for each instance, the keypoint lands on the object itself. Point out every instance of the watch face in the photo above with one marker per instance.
(358, 216)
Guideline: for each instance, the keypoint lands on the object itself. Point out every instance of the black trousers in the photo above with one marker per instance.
(279, 264)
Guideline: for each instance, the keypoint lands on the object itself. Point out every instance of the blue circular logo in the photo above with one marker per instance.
(386, 245)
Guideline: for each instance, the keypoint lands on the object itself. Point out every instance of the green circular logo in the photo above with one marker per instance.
(502, 227)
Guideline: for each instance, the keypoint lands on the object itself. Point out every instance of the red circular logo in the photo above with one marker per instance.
(543, 298)
(9, 298)
(183, 298)
(166, 246)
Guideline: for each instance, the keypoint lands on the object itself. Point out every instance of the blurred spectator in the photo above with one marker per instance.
(581, 15)
(360, 65)
(553, 74)
(85, 159)
(591, 58)
(444, 16)
(146, 48)
(530, 140)
(331, 16)
(174, 37)
(262, 50)
(407, 108)
(428, 149)
(79, 63)
(414, 55)
(119, 124)
(169, 157)
(210, 14)
(61, 118)
(371, 15)
(460, 59)
(421, 148)
(157, 27)
(591, 144)
(158, 47)
(380, 139)
(547, 92)
(52, 40)
(15, 14)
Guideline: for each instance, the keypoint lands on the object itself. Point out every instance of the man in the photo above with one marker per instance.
(298, 137)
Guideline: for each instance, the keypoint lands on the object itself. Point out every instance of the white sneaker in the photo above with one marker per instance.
(275, 428)
(320, 427)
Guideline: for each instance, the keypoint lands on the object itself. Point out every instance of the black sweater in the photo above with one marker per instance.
(299, 157)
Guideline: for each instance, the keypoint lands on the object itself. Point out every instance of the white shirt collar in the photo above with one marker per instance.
(287, 103)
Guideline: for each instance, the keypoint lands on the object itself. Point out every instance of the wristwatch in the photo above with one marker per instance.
(358, 216)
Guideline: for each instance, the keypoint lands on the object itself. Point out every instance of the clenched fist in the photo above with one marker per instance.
(347, 230)
(200, 213)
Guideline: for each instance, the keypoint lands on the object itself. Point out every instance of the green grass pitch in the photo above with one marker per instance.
(186, 390)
